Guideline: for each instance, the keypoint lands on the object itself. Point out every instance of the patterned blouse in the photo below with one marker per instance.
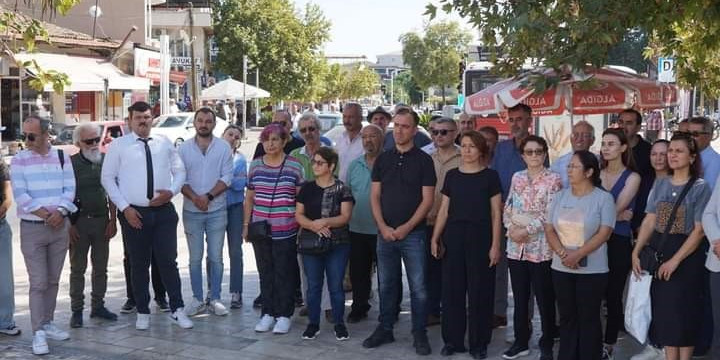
(527, 204)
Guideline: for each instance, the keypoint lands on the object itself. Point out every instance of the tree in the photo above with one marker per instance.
(433, 59)
(411, 90)
(360, 81)
(629, 51)
(283, 42)
(568, 34)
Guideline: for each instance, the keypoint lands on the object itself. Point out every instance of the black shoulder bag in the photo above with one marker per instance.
(312, 243)
(261, 230)
(651, 257)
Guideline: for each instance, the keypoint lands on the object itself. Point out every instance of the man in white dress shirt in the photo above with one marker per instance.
(141, 174)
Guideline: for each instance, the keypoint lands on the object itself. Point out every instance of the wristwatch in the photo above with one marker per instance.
(63, 211)
(210, 196)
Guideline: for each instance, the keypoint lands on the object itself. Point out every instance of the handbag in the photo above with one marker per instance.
(651, 257)
(638, 307)
(261, 230)
(312, 243)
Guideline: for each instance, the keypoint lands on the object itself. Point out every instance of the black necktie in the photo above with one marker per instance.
(149, 168)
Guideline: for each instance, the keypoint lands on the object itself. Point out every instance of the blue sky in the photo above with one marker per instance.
(371, 27)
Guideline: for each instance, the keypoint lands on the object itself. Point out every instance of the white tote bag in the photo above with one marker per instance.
(638, 312)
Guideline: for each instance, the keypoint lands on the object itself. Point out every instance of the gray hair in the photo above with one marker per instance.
(586, 124)
(86, 126)
(445, 120)
(356, 106)
(310, 116)
(284, 114)
(44, 123)
(704, 121)
(376, 128)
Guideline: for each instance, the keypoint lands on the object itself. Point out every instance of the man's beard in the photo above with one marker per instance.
(94, 155)
(204, 135)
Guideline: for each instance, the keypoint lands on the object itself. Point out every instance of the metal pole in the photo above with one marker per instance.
(164, 74)
(392, 87)
(244, 98)
(257, 100)
(193, 69)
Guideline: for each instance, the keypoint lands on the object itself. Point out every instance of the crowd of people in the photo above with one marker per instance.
(460, 212)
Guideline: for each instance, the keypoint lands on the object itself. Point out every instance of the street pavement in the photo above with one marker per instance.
(213, 337)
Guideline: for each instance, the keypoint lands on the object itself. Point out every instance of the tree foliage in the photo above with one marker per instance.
(411, 93)
(282, 41)
(573, 33)
(360, 81)
(433, 58)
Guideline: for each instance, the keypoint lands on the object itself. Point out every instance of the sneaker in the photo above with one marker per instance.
(607, 353)
(142, 322)
(516, 351)
(54, 333)
(311, 332)
(180, 318)
(11, 330)
(265, 324)
(76, 320)
(128, 307)
(421, 344)
(196, 307)
(103, 313)
(162, 305)
(341, 333)
(282, 325)
(650, 353)
(216, 307)
(39, 344)
(356, 316)
(379, 337)
(236, 300)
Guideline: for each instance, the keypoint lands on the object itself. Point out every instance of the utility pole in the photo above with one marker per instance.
(193, 69)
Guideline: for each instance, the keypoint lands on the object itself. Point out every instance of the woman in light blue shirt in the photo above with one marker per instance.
(235, 198)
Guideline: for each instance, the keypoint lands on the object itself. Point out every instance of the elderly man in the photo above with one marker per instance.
(141, 174)
(382, 118)
(309, 129)
(467, 122)
(582, 138)
(349, 144)
(282, 117)
(43, 185)
(93, 225)
(701, 129)
(208, 169)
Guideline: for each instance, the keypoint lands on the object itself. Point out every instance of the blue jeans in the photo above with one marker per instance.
(235, 216)
(317, 267)
(199, 228)
(7, 291)
(412, 251)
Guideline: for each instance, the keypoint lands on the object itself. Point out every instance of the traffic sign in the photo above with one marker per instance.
(666, 69)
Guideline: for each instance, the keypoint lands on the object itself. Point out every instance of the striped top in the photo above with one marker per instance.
(278, 208)
(40, 181)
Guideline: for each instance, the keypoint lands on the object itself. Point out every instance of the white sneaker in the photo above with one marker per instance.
(650, 353)
(40, 345)
(265, 324)
(282, 326)
(54, 333)
(196, 307)
(217, 308)
(142, 322)
(180, 318)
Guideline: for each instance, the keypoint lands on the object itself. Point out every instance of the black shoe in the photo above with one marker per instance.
(356, 316)
(257, 303)
(516, 351)
(479, 353)
(162, 304)
(421, 344)
(447, 350)
(76, 321)
(311, 332)
(341, 333)
(379, 337)
(128, 307)
(103, 313)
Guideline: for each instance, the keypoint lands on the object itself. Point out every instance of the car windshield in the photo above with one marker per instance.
(328, 122)
(172, 121)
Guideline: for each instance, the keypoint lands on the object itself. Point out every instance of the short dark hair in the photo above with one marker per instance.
(638, 116)
(404, 110)
(704, 121)
(626, 157)
(43, 122)
(536, 139)
(521, 107)
(329, 155)
(490, 130)
(205, 110)
(233, 126)
(139, 106)
(590, 161)
(479, 142)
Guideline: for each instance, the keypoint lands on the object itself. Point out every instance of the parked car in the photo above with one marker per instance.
(179, 127)
(109, 130)
(329, 121)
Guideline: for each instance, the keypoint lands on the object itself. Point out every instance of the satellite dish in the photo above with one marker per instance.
(95, 11)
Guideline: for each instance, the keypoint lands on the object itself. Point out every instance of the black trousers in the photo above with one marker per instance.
(619, 252)
(277, 267)
(466, 275)
(433, 279)
(362, 255)
(527, 278)
(157, 238)
(159, 292)
(579, 297)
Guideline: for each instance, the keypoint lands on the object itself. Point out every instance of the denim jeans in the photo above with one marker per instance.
(317, 267)
(199, 228)
(7, 291)
(234, 239)
(411, 250)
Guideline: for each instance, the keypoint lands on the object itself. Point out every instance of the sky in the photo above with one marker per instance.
(372, 27)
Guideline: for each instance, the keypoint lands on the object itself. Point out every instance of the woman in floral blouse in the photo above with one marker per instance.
(529, 255)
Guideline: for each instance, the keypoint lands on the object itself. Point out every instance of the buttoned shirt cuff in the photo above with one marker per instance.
(122, 205)
(69, 206)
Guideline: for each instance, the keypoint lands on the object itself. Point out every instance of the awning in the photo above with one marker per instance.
(86, 73)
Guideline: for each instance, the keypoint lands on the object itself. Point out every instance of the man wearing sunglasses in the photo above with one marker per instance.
(43, 185)
(282, 117)
(309, 129)
(93, 225)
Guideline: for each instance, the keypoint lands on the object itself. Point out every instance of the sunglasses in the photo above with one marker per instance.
(92, 141)
(307, 129)
(537, 152)
(442, 132)
(29, 137)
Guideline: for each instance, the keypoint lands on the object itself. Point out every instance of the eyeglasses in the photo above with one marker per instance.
(537, 152)
(317, 162)
(307, 129)
(29, 137)
(442, 132)
(92, 141)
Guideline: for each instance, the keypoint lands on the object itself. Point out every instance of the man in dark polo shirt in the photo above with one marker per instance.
(93, 225)
(401, 195)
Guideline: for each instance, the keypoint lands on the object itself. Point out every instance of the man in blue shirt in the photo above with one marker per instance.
(701, 129)
(582, 138)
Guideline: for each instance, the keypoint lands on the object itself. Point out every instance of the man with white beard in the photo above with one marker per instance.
(93, 225)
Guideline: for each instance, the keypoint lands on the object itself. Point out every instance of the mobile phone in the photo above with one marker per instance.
(583, 262)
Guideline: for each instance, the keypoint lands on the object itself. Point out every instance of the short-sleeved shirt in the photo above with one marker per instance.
(576, 220)
(325, 203)
(662, 199)
(402, 175)
(278, 206)
(359, 180)
(470, 194)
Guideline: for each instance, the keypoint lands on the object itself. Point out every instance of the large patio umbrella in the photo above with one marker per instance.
(232, 89)
(595, 91)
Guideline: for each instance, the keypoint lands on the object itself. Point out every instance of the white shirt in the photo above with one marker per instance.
(203, 171)
(124, 175)
(348, 150)
(711, 226)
